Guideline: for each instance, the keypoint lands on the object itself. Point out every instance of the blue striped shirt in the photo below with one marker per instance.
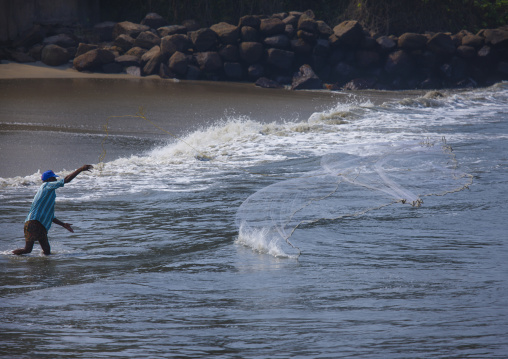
(43, 205)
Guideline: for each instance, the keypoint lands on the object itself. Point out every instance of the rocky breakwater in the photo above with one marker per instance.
(288, 49)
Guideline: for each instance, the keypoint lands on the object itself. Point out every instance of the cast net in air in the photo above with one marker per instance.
(348, 183)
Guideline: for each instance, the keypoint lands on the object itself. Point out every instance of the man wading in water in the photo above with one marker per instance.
(42, 212)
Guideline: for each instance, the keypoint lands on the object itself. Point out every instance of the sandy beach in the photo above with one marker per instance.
(38, 70)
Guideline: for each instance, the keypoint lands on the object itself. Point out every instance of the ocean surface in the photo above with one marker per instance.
(227, 221)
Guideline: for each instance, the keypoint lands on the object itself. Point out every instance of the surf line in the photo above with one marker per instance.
(200, 155)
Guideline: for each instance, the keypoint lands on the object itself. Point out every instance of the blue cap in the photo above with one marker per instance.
(47, 175)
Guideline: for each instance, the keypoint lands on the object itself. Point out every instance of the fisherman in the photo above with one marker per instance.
(42, 212)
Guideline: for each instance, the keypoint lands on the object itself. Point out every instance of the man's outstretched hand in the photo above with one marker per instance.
(68, 227)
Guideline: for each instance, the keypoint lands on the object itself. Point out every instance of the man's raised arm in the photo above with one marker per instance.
(71, 176)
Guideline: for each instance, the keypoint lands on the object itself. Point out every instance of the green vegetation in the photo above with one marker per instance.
(381, 16)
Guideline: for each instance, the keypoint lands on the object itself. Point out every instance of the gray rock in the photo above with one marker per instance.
(412, 41)
(441, 44)
(178, 63)
(93, 60)
(147, 40)
(54, 55)
(136, 51)
(128, 28)
(124, 42)
(306, 79)
(209, 61)
(474, 41)
(385, 43)
(83, 48)
(249, 34)
(250, 20)
(151, 60)
(267, 83)
(173, 43)
(281, 59)
(128, 60)
(300, 46)
(154, 21)
(307, 23)
(171, 30)
(272, 26)
(255, 71)
(400, 63)
(348, 33)
(367, 58)
(62, 40)
(323, 29)
(227, 33)
(229, 53)
(496, 37)
(203, 39)
(466, 52)
(134, 71)
(251, 52)
(278, 41)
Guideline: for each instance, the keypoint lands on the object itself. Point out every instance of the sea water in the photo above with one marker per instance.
(156, 268)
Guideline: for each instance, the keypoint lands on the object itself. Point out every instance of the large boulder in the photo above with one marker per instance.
(62, 40)
(348, 33)
(203, 39)
(306, 79)
(171, 30)
(367, 58)
(473, 41)
(272, 26)
(386, 44)
(441, 44)
(154, 21)
(54, 55)
(267, 83)
(128, 60)
(255, 71)
(124, 42)
(496, 37)
(307, 23)
(229, 53)
(151, 61)
(173, 43)
(93, 60)
(249, 34)
(178, 63)
(323, 29)
(83, 48)
(412, 41)
(466, 52)
(209, 61)
(250, 20)
(322, 48)
(279, 41)
(147, 40)
(227, 33)
(136, 51)
(399, 63)
(251, 52)
(281, 59)
(129, 28)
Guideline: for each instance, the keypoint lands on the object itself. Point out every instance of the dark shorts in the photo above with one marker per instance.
(35, 231)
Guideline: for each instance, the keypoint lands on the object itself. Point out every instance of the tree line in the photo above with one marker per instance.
(384, 17)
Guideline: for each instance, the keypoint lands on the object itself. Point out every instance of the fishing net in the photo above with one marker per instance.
(348, 183)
